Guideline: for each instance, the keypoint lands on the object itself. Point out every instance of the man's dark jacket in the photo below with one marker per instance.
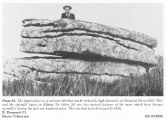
(71, 16)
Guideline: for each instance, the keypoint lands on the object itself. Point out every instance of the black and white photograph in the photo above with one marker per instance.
(82, 49)
(88, 60)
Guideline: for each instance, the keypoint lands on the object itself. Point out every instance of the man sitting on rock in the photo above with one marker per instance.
(67, 13)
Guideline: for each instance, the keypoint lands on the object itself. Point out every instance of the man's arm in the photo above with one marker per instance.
(62, 16)
(73, 16)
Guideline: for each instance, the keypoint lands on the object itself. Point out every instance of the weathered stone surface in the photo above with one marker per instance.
(52, 28)
(45, 69)
(124, 50)
(160, 61)
(80, 37)
(158, 69)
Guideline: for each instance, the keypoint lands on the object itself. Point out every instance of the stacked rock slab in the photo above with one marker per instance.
(43, 69)
(87, 50)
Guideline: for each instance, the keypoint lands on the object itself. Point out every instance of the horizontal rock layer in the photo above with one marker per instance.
(62, 25)
(90, 45)
(42, 69)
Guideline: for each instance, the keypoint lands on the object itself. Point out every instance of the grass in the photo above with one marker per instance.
(134, 86)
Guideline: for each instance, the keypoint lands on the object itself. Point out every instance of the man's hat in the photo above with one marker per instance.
(67, 6)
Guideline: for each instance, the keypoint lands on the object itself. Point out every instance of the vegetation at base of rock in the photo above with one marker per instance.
(135, 86)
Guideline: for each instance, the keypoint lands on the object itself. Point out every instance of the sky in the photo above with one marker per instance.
(146, 18)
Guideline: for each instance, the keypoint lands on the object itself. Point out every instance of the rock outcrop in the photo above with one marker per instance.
(75, 36)
(157, 70)
(63, 25)
(88, 50)
(54, 68)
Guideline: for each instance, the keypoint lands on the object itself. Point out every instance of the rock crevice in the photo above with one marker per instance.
(40, 33)
(72, 72)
